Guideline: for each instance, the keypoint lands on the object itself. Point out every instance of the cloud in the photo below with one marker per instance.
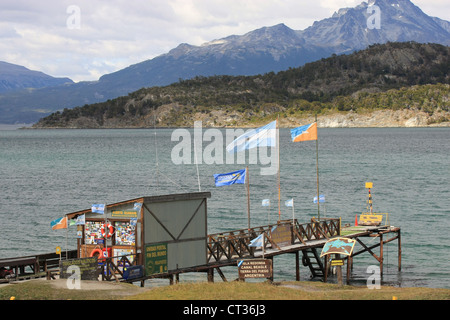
(105, 36)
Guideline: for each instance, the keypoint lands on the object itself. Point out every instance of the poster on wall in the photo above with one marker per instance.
(92, 232)
(125, 234)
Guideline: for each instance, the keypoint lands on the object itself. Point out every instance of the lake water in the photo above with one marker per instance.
(45, 174)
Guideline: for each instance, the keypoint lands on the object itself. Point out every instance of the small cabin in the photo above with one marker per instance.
(161, 233)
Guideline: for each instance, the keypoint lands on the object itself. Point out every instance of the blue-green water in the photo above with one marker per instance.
(45, 174)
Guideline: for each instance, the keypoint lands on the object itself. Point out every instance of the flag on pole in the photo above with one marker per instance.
(304, 133)
(260, 137)
(289, 203)
(265, 203)
(98, 208)
(321, 199)
(257, 242)
(60, 223)
(226, 179)
(81, 220)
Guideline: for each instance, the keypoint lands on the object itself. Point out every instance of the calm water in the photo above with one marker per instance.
(48, 173)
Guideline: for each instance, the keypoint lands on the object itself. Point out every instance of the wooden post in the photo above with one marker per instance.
(399, 252)
(349, 259)
(297, 267)
(339, 270)
(381, 254)
(326, 269)
(210, 275)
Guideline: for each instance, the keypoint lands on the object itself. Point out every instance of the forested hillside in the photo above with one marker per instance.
(391, 76)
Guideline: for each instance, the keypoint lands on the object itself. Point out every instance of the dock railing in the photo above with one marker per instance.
(235, 244)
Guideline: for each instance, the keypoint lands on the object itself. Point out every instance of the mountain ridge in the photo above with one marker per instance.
(343, 83)
(14, 77)
(267, 49)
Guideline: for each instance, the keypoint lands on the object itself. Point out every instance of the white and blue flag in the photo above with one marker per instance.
(289, 203)
(98, 208)
(226, 179)
(261, 137)
(321, 199)
(258, 241)
(81, 220)
(266, 203)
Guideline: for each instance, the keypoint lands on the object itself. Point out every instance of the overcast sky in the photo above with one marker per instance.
(85, 39)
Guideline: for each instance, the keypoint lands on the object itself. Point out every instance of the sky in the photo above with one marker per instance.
(85, 39)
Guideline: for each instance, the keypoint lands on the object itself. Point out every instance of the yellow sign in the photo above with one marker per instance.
(58, 250)
(368, 219)
(369, 185)
(124, 214)
(337, 262)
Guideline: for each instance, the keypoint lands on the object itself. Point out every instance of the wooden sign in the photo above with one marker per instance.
(255, 268)
(282, 235)
(88, 268)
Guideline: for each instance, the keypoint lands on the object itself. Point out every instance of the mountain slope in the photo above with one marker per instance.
(263, 50)
(14, 77)
(328, 83)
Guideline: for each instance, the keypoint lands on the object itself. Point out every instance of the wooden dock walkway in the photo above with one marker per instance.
(287, 237)
(228, 248)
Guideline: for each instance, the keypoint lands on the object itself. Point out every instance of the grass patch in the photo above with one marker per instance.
(304, 290)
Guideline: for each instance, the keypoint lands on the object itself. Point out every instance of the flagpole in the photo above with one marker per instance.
(279, 184)
(292, 211)
(247, 179)
(317, 170)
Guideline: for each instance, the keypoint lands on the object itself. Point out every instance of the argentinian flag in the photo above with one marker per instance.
(258, 241)
(98, 208)
(261, 137)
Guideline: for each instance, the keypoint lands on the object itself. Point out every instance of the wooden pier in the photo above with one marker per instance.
(288, 237)
(228, 248)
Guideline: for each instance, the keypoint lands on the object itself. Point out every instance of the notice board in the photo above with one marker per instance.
(155, 258)
(88, 268)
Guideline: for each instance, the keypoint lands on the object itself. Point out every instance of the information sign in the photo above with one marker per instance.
(88, 268)
(255, 268)
(155, 258)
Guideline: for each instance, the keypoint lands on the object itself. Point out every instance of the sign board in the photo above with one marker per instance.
(133, 272)
(338, 246)
(337, 262)
(255, 268)
(281, 235)
(124, 214)
(155, 258)
(88, 268)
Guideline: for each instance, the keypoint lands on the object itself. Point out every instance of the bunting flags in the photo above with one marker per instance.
(304, 133)
(260, 137)
(60, 223)
(226, 179)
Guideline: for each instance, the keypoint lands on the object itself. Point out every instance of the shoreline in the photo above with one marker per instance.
(405, 118)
